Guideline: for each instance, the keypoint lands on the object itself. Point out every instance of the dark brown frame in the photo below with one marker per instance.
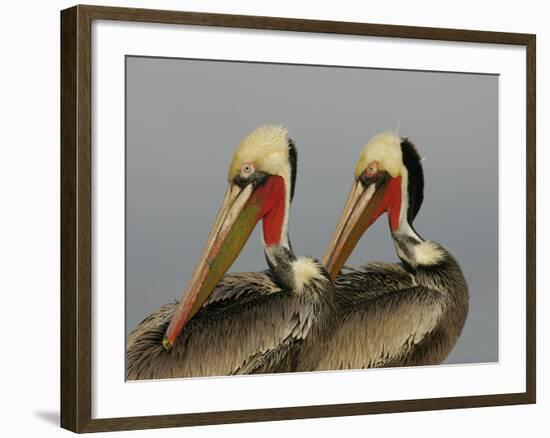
(76, 237)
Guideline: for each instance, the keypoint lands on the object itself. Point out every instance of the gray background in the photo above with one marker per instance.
(185, 117)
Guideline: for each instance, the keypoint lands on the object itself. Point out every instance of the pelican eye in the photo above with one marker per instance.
(247, 170)
(372, 169)
(371, 174)
(246, 175)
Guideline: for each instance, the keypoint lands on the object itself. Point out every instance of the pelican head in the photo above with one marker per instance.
(261, 180)
(388, 178)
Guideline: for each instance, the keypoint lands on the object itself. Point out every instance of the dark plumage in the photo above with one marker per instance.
(238, 331)
(389, 316)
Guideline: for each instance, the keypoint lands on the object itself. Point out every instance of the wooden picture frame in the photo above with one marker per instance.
(76, 217)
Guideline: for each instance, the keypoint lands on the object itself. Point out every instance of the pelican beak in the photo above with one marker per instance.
(236, 219)
(363, 206)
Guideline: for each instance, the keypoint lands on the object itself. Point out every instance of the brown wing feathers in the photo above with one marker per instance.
(248, 325)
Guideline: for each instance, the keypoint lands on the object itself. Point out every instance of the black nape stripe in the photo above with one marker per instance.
(411, 160)
(293, 158)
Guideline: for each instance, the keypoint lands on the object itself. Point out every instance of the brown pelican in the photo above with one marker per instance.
(273, 321)
(404, 314)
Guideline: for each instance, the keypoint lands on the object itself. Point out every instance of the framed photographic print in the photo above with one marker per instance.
(374, 250)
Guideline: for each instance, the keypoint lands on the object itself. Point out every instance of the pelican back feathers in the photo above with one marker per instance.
(391, 316)
(248, 325)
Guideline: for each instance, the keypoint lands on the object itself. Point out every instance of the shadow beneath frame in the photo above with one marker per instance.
(51, 417)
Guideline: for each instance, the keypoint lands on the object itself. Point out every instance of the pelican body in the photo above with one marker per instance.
(243, 323)
(405, 314)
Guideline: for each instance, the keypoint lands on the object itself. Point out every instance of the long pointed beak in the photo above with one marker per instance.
(363, 206)
(236, 219)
